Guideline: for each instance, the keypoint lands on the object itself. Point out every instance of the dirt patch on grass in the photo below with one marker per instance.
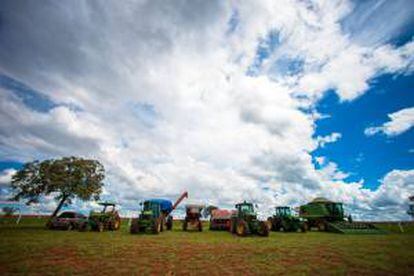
(63, 259)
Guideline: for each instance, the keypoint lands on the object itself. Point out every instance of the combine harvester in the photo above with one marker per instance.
(155, 215)
(326, 215)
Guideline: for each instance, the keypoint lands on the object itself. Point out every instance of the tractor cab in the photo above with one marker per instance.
(245, 209)
(108, 207)
(335, 210)
(151, 209)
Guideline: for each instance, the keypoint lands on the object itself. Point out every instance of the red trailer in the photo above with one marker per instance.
(220, 219)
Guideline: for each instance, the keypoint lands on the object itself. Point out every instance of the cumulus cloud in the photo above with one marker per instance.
(5, 177)
(177, 96)
(331, 138)
(400, 122)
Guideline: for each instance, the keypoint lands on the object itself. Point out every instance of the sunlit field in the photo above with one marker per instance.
(29, 248)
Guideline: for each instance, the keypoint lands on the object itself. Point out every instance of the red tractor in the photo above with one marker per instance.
(193, 217)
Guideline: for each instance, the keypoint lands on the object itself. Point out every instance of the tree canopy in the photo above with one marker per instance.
(67, 178)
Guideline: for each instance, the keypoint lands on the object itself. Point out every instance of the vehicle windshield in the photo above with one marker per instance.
(108, 209)
(151, 206)
(284, 211)
(246, 208)
(338, 208)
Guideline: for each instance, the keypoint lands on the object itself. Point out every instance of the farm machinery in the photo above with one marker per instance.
(220, 219)
(283, 220)
(326, 215)
(107, 219)
(244, 221)
(192, 217)
(155, 215)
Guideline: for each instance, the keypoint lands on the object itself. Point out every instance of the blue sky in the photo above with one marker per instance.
(230, 101)
(368, 158)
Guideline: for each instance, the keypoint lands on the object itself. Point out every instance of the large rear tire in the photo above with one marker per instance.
(169, 223)
(69, 227)
(117, 224)
(304, 227)
(270, 223)
(101, 227)
(83, 227)
(263, 230)
(321, 226)
(49, 225)
(134, 229)
(241, 228)
(156, 227)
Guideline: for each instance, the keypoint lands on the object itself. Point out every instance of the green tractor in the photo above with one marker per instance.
(155, 216)
(244, 221)
(283, 220)
(326, 215)
(107, 219)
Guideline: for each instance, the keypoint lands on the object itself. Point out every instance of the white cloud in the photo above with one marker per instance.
(159, 93)
(400, 122)
(5, 177)
(331, 138)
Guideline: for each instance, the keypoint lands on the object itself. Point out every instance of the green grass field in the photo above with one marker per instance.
(31, 249)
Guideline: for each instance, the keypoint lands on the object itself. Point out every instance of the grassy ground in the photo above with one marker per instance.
(31, 249)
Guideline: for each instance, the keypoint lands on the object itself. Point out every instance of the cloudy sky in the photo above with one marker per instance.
(276, 102)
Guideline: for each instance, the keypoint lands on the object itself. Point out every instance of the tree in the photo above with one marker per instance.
(68, 177)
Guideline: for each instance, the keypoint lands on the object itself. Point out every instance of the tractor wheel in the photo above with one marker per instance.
(200, 226)
(304, 227)
(83, 227)
(241, 228)
(101, 227)
(49, 225)
(156, 227)
(69, 227)
(169, 223)
(321, 226)
(185, 224)
(263, 229)
(117, 224)
(134, 227)
(270, 224)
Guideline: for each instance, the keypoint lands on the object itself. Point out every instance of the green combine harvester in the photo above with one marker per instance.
(326, 215)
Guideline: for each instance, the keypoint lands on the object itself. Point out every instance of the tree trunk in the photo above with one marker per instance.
(62, 201)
